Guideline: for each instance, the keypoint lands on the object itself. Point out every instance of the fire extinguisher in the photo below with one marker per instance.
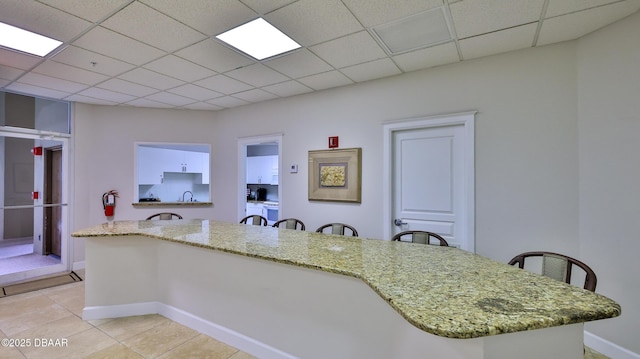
(109, 202)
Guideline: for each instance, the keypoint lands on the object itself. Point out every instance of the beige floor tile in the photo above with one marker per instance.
(69, 296)
(18, 297)
(10, 353)
(64, 290)
(16, 305)
(201, 346)
(78, 346)
(117, 351)
(28, 319)
(160, 339)
(127, 327)
(99, 322)
(242, 355)
(74, 304)
(592, 354)
(61, 328)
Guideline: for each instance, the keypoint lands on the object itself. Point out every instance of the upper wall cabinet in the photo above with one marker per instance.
(262, 170)
(150, 170)
(170, 171)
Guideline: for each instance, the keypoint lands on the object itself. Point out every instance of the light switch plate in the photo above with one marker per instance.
(293, 168)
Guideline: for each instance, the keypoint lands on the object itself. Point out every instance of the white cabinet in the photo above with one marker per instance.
(153, 162)
(150, 170)
(204, 159)
(254, 208)
(262, 170)
(182, 161)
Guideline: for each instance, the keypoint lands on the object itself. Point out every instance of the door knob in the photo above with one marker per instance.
(398, 222)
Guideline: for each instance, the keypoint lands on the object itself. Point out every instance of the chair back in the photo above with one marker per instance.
(254, 219)
(290, 223)
(338, 228)
(559, 267)
(423, 237)
(165, 216)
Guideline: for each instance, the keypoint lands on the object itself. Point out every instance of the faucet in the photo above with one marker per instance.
(185, 192)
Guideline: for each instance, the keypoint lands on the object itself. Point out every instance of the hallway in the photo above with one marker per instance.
(16, 255)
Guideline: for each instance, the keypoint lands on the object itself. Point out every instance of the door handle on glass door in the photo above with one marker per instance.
(398, 222)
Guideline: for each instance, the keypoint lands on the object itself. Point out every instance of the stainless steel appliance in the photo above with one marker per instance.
(261, 194)
(270, 210)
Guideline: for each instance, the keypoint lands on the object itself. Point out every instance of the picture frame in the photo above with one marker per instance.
(335, 175)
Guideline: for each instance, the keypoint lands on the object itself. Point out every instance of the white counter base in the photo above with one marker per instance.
(274, 310)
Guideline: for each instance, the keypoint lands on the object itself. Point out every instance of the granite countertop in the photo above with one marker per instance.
(442, 290)
(171, 204)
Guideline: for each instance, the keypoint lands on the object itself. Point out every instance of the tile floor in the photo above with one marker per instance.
(48, 324)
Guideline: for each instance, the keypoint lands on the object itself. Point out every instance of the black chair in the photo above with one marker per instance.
(254, 219)
(423, 237)
(337, 228)
(559, 266)
(165, 215)
(290, 223)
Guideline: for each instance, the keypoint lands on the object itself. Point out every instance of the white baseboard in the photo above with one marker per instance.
(608, 348)
(119, 311)
(226, 335)
(77, 265)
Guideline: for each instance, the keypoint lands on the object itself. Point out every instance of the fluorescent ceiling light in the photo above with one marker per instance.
(26, 41)
(258, 39)
(414, 32)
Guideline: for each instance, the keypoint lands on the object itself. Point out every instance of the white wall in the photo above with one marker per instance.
(103, 156)
(609, 127)
(526, 144)
(531, 193)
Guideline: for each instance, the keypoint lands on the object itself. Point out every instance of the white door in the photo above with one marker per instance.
(432, 181)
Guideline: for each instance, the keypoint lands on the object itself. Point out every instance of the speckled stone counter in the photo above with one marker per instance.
(172, 204)
(443, 291)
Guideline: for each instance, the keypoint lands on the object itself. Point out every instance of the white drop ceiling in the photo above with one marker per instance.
(163, 53)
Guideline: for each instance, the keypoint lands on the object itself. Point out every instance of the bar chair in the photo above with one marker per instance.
(165, 216)
(559, 266)
(290, 223)
(423, 237)
(337, 228)
(254, 219)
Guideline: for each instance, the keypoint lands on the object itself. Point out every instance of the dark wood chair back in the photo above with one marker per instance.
(559, 266)
(423, 237)
(165, 215)
(290, 223)
(254, 219)
(337, 228)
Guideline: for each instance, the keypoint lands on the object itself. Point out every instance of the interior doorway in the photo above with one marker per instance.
(53, 198)
(33, 204)
(259, 176)
(430, 181)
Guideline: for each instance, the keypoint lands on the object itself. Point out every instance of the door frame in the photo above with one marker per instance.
(466, 119)
(41, 137)
(48, 189)
(243, 142)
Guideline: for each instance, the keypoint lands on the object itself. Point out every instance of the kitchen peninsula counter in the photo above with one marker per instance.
(443, 291)
(171, 204)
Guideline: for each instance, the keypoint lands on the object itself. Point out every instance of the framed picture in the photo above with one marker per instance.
(335, 175)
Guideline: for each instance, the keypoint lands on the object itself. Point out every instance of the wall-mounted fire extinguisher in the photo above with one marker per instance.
(109, 202)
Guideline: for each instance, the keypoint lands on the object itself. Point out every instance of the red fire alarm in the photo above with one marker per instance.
(333, 141)
(35, 195)
(37, 151)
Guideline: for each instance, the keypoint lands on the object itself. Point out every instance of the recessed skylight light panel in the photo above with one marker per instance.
(258, 39)
(26, 41)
